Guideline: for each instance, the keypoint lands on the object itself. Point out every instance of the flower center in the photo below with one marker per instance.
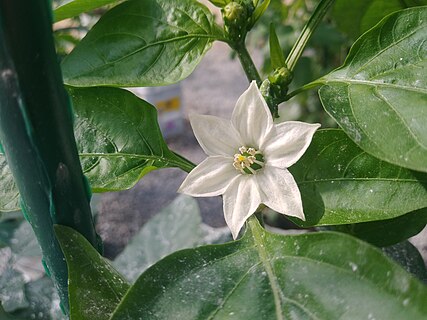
(248, 161)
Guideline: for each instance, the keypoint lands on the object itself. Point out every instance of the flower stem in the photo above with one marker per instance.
(305, 87)
(306, 33)
(247, 63)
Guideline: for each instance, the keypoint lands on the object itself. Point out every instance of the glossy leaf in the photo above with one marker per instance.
(409, 258)
(9, 195)
(379, 95)
(118, 138)
(142, 43)
(388, 232)
(356, 17)
(95, 288)
(266, 276)
(276, 54)
(76, 7)
(342, 184)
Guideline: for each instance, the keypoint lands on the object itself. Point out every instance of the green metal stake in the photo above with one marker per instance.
(37, 133)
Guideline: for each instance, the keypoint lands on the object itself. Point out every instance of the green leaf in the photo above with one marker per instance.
(9, 195)
(259, 11)
(95, 288)
(379, 95)
(142, 43)
(342, 184)
(388, 232)
(356, 17)
(409, 258)
(118, 138)
(266, 276)
(276, 54)
(76, 7)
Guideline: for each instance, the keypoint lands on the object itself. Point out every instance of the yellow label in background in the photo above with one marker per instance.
(169, 104)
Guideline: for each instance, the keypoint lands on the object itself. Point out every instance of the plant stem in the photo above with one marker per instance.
(36, 130)
(247, 63)
(305, 87)
(306, 33)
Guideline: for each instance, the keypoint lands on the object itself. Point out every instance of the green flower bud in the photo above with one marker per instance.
(281, 76)
(234, 12)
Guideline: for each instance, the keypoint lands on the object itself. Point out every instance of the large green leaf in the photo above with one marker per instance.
(95, 288)
(142, 43)
(265, 276)
(388, 232)
(356, 17)
(379, 95)
(342, 184)
(76, 7)
(118, 138)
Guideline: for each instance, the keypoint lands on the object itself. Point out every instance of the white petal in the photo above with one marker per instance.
(210, 178)
(251, 117)
(280, 192)
(215, 135)
(287, 142)
(241, 200)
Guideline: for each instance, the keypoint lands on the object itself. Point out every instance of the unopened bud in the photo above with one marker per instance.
(281, 76)
(234, 12)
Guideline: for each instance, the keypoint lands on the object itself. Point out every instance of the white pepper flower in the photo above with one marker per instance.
(248, 159)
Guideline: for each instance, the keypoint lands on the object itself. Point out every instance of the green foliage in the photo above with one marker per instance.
(95, 288)
(142, 43)
(76, 7)
(118, 138)
(341, 184)
(388, 232)
(379, 95)
(356, 17)
(266, 276)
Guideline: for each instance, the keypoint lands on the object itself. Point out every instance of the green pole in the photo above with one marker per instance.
(36, 131)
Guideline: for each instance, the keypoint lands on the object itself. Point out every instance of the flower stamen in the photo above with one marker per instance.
(248, 161)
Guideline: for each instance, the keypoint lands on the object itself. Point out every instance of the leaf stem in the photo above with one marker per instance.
(306, 33)
(305, 87)
(247, 62)
(258, 237)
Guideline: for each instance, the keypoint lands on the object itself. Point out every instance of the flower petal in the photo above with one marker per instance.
(280, 192)
(210, 178)
(251, 117)
(241, 200)
(215, 135)
(287, 142)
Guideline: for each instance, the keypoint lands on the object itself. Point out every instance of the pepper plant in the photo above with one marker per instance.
(362, 186)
